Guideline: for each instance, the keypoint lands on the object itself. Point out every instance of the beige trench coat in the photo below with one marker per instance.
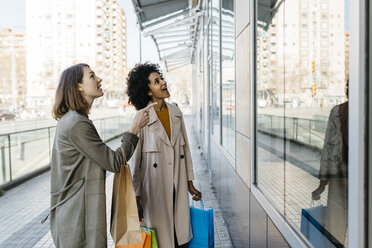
(158, 166)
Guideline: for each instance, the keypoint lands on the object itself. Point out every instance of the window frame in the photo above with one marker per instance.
(357, 128)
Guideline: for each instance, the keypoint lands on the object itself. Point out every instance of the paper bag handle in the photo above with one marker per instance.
(201, 204)
(124, 157)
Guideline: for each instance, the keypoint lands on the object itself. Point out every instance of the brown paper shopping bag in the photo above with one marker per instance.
(125, 225)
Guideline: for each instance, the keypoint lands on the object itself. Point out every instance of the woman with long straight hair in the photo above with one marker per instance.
(80, 159)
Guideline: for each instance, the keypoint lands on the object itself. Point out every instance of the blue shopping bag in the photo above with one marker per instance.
(202, 227)
(313, 227)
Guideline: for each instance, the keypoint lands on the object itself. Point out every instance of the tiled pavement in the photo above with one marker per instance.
(288, 183)
(23, 207)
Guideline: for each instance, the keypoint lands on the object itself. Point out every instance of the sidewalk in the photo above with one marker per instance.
(23, 207)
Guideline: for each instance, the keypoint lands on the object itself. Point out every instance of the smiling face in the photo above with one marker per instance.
(158, 87)
(90, 87)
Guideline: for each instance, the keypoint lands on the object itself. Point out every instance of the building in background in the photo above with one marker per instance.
(63, 33)
(314, 37)
(12, 69)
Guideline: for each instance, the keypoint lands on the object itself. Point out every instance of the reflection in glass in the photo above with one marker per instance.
(228, 75)
(302, 68)
(270, 103)
(215, 68)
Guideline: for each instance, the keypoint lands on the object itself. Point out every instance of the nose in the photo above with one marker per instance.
(99, 79)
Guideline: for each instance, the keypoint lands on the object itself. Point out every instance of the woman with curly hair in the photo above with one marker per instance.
(161, 165)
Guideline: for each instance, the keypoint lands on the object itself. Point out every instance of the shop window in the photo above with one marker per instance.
(228, 76)
(214, 68)
(301, 126)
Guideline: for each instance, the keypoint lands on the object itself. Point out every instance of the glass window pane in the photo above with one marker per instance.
(215, 68)
(228, 76)
(270, 111)
(29, 151)
(304, 136)
(4, 156)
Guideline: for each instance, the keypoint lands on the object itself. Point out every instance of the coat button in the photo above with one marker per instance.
(155, 165)
(182, 156)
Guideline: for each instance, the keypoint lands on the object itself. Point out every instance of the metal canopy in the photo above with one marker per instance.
(266, 12)
(173, 25)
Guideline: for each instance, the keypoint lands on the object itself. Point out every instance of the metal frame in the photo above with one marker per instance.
(357, 127)
(150, 6)
(173, 32)
(369, 128)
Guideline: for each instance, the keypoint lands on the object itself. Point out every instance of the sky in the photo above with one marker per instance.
(149, 51)
(12, 15)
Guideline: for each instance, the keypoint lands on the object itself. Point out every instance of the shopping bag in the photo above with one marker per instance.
(314, 227)
(125, 225)
(202, 227)
(154, 243)
(145, 243)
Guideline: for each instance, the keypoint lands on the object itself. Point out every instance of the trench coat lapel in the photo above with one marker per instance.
(175, 122)
(156, 127)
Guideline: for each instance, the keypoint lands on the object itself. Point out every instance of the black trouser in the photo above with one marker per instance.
(176, 242)
(175, 236)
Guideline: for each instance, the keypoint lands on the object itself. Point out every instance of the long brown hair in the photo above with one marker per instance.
(68, 97)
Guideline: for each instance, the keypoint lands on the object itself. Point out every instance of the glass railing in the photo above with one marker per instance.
(24, 152)
(306, 132)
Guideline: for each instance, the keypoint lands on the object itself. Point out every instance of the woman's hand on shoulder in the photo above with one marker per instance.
(140, 119)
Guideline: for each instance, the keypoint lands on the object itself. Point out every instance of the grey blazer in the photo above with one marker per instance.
(78, 165)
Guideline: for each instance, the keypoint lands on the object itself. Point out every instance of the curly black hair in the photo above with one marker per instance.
(137, 82)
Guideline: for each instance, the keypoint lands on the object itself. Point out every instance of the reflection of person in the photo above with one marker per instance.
(161, 165)
(79, 161)
(334, 171)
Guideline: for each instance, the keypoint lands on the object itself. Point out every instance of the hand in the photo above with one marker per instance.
(315, 195)
(196, 194)
(140, 210)
(140, 119)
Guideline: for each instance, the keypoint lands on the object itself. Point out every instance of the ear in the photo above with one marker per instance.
(80, 87)
(150, 93)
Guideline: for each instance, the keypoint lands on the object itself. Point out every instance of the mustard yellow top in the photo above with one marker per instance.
(164, 118)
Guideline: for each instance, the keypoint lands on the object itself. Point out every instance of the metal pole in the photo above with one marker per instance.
(3, 162)
(309, 132)
(10, 160)
(296, 129)
(49, 143)
(271, 123)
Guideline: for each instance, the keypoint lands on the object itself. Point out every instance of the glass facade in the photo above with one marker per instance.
(228, 75)
(221, 61)
(215, 67)
(302, 56)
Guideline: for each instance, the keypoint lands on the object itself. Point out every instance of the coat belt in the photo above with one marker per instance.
(59, 203)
